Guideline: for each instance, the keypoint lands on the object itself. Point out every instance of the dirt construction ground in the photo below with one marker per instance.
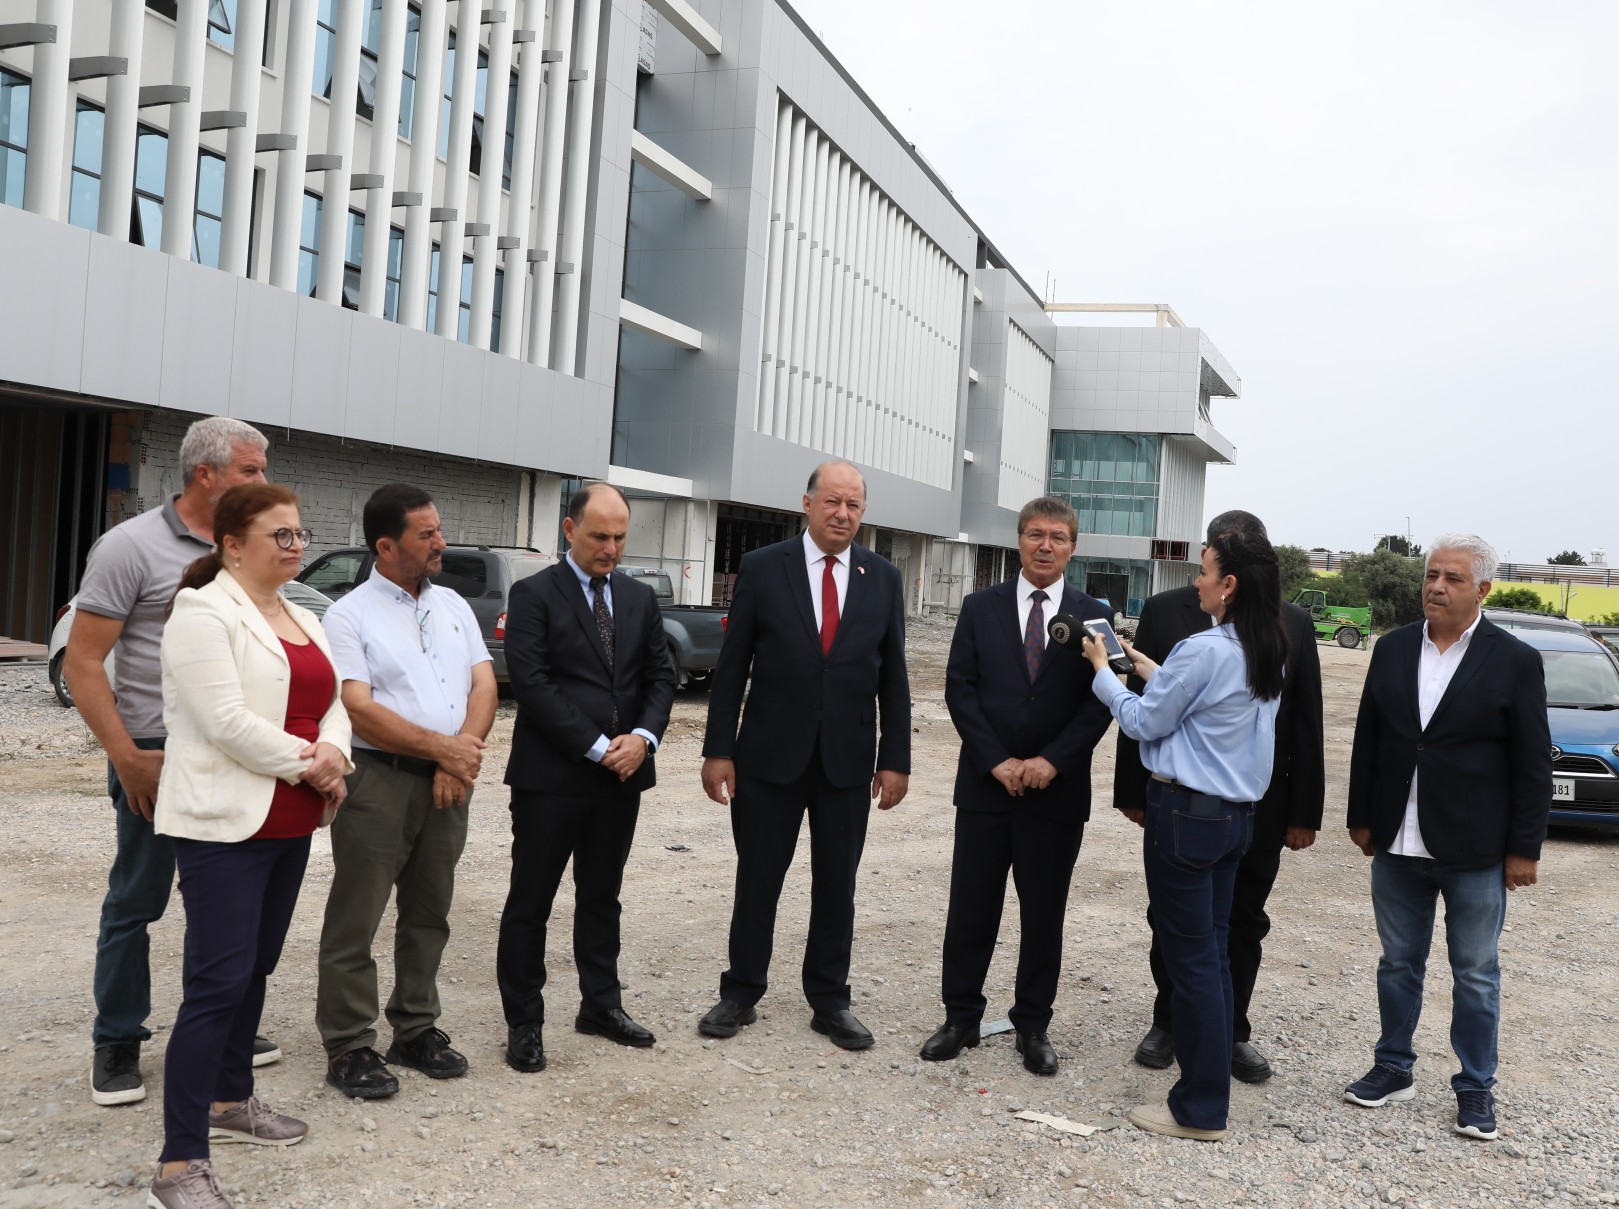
(778, 1116)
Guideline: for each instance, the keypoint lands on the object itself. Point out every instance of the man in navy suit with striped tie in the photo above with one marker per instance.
(1028, 722)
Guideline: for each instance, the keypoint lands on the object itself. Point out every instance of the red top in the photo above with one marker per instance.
(295, 810)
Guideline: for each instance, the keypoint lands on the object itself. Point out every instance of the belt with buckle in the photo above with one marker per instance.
(414, 765)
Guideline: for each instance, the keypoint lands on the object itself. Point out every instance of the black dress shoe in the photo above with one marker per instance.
(1248, 1064)
(846, 1032)
(1038, 1056)
(524, 1049)
(615, 1025)
(725, 1018)
(1157, 1049)
(948, 1042)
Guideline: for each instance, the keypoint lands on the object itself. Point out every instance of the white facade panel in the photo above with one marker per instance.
(1025, 419)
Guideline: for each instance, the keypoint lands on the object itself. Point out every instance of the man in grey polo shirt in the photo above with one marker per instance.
(133, 572)
(420, 690)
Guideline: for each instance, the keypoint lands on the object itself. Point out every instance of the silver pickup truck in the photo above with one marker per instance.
(695, 631)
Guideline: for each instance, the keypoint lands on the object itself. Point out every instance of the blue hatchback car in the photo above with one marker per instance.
(1582, 704)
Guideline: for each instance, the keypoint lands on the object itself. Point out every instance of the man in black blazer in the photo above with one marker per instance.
(1289, 815)
(819, 622)
(1450, 785)
(1028, 723)
(594, 682)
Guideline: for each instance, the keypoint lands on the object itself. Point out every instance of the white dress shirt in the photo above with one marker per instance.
(1025, 605)
(416, 652)
(1434, 674)
(598, 749)
(815, 559)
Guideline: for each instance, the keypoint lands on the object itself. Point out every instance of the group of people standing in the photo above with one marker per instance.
(237, 725)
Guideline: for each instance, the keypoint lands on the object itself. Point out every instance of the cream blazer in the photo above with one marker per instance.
(225, 685)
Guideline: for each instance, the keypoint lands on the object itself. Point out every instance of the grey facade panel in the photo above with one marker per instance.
(42, 325)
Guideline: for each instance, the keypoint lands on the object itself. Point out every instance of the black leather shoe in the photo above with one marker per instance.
(614, 1024)
(948, 1042)
(1038, 1056)
(524, 1049)
(1248, 1064)
(1157, 1049)
(429, 1052)
(361, 1074)
(846, 1032)
(725, 1018)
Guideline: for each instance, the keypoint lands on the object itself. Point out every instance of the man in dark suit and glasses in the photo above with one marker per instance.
(819, 622)
(1450, 786)
(594, 682)
(1028, 723)
(1288, 816)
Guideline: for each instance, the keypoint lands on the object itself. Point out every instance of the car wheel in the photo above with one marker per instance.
(681, 678)
(63, 693)
(1348, 638)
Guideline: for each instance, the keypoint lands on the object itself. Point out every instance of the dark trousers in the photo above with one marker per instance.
(388, 840)
(1040, 854)
(1250, 924)
(765, 822)
(238, 902)
(138, 886)
(1191, 865)
(547, 830)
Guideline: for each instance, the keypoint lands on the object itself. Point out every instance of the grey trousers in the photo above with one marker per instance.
(386, 835)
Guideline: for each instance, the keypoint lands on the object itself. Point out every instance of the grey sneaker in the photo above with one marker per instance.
(197, 1187)
(115, 1078)
(255, 1121)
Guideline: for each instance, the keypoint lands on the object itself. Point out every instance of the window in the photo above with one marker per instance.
(496, 307)
(335, 574)
(355, 256)
(309, 245)
(511, 133)
(1123, 583)
(463, 573)
(84, 190)
(325, 45)
(370, 68)
(480, 103)
(14, 93)
(151, 166)
(1111, 479)
(412, 64)
(465, 322)
(221, 19)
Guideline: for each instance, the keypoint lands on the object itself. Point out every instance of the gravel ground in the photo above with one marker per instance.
(778, 1116)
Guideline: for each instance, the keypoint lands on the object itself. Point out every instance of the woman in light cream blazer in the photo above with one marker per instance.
(258, 748)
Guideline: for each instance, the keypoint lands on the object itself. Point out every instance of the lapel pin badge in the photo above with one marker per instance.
(862, 570)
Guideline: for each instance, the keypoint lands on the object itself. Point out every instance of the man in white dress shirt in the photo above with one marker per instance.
(420, 690)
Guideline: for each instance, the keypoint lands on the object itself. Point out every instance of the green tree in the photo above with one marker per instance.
(1515, 598)
(1568, 558)
(1400, 545)
(1392, 585)
(1294, 565)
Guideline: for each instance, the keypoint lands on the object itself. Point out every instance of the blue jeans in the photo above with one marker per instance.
(1191, 863)
(138, 888)
(1404, 892)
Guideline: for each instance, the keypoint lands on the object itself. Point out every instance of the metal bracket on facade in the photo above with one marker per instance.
(322, 163)
(97, 67)
(491, 16)
(223, 119)
(564, 267)
(538, 255)
(442, 214)
(26, 33)
(550, 56)
(407, 199)
(365, 180)
(578, 73)
(519, 36)
(163, 94)
(475, 228)
(276, 142)
(505, 243)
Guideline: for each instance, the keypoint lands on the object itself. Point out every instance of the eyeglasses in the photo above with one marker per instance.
(1037, 536)
(422, 632)
(285, 537)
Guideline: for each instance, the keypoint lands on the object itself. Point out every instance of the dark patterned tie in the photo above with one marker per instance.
(604, 627)
(1034, 634)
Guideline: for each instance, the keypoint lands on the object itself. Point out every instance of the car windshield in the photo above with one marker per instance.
(522, 568)
(1581, 680)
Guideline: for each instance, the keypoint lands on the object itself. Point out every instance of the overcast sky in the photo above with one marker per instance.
(1399, 222)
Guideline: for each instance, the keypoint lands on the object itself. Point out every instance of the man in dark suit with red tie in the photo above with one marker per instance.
(1028, 723)
(594, 682)
(819, 623)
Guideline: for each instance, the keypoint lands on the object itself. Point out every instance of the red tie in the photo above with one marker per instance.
(829, 606)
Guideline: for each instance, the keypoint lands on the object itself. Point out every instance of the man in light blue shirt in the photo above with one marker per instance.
(420, 689)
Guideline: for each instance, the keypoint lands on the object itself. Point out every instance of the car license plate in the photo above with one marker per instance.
(1562, 789)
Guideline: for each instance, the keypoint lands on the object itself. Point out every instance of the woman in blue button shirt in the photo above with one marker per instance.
(1206, 724)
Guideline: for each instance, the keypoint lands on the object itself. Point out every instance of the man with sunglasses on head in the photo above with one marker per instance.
(420, 690)
(129, 580)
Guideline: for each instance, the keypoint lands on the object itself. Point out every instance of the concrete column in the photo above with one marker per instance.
(180, 179)
(384, 146)
(241, 141)
(581, 100)
(289, 175)
(334, 217)
(559, 39)
(48, 109)
(484, 252)
(463, 99)
(123, 106)
(416, 260)
(520, 205)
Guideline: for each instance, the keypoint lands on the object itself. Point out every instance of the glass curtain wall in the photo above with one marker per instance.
(1111, 479)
